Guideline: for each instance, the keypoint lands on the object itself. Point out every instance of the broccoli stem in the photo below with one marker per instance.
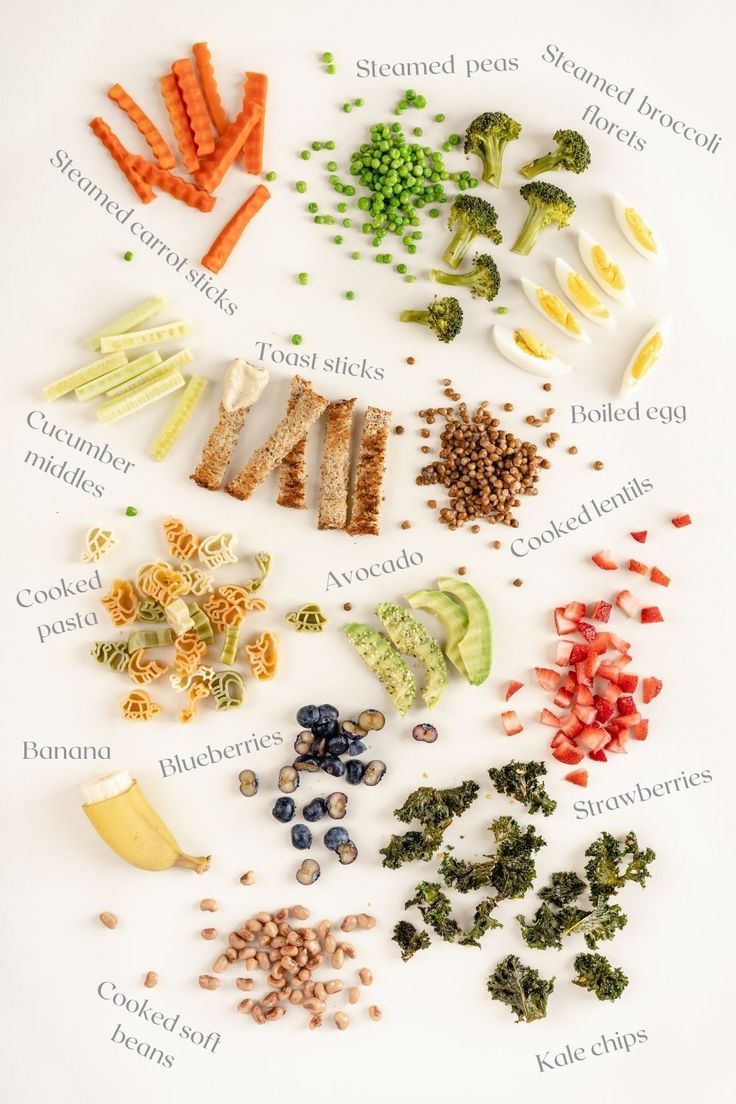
(459, 245)
(529, 233)
(548, 163)
(492, 162)
(465, 279)
(414, 316)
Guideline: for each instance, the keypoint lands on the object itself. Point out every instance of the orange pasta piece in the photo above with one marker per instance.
(121, 157)
(196, 108)
(179, 122)
(210, 91)
(214, 168)
(223, 245)
(256, 88)
(174, 185)
(154, 138)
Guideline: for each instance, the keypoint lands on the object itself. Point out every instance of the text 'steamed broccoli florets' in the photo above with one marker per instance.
(470, 217)
(487, 136)
(548, 205)
(443, 316)
(572, 153)
(595, 973)
(483, 279)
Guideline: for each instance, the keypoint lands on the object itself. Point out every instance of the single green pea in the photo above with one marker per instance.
(301, 186)
(296, 339)
(131, 511)
(316, 146)
(418, 131)
(271, 175)
(305, 155)
(303, 278)
(342, 207)
(359, 102)
(347, 222)
(347, 107)
(349, 294)
(454, 139)
(332, 167)
(330, 69)
(127, 255)
(401, 268)
(330, 144)
(410, 94)
(409, 279)
(502, 310)
(327, 57)
(338, 239)
(313, 207)
(439, 118)
(433, 212)
(355, 256)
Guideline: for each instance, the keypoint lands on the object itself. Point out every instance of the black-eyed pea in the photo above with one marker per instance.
(365, 921)
(281, 915)
(299, 912)
(276, 1013)
(304, 974)
(347, 949)
(231, 954)
(264, 962)
(312, 1004)
(151, 979)
(337, 959)
(248, 879)
(365, 975)
(108, 919)
(221, 963)
(206, 981)
(330, 944)
(316, 1021)
(312, 946)
(334, 986)
(342, 1020)
(278, 942)
(316, 961)
(308, 933)
(209, 904)
(324, 928)
(270, 929)
(246, 1006)
(309, 988)
(349, 924)
(296, 996)
(354, 994)
(258, 1014)
(263, 917)
(209, 933)
(374, 1012)
(245, 983)
(271, 999)
(253, 925)
(236, 941)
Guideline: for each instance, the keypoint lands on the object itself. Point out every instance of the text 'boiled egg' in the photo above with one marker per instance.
(638, 233)
(647, 355)
(604, 271)
(554, 310)
(526, 351)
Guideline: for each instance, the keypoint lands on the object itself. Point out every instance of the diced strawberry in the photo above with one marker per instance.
(638, 567)
(562, 623)
(578, 777)
(511, 689)
(616, 745)
(574, 611)
(511, 723)
(600, 644)
(571, 726)
(585, 713)
(608, 671)
(582, 675)
(651, 613)
(626, 601)
(623, 736)
(567, 753)
(563, 652)
(612, 694)
(592, 665)
(548, 680)
(618, 642)
(587, 631)
(557, 739)
(563, 698)
(600, 611)
(571, 683)
(549, 718)
(603, 709)
(640, 535)
(641, 731)
(578, 654)
(604, 560)
(592, 738)
(659, 577)
(628, 683)
(585, 697)
(681, 520)
(650, 688)
(599, 756)
(626, 705)
(630, 720)
(621, 661)
(615, 728)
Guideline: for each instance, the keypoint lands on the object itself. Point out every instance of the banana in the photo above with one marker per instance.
(119, 812)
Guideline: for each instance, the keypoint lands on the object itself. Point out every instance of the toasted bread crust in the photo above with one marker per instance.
(219, 448)
(293, 471)
(335, 468)
(365, 512)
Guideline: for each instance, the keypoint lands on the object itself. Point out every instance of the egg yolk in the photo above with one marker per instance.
(557, 311)
(640, 230)
(647, 356)
(582, 293)
(531, 345)
(609, 272)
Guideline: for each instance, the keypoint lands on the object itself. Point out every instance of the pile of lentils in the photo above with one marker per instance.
(485, 469)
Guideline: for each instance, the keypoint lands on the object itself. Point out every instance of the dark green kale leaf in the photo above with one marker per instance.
(521, 988)
(564, 888)
(483, 921)
(557, 917)
(464, 875)
(435, 808)
(596, 974)
(597, 926)
(514, 869)
(546, 929)
(436, 910)
(607, 868)
(521, 781)
(409, 939)
(411, 847)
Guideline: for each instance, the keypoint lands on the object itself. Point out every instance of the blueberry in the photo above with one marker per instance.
(333, 766)
(303, 742)
(307, 716)
(356, 747)
(306, 763)
(336, 805)
(337, 745)
(248, 783)
(354, 771)
(352, 728)
(371, 720)
(334, 837)
(284, 809)
(425, 733)
(328, 713)
(319, 747)
(315, 810)
(288, 779)
(301, 837)
(374, 772)
(326, 728)
(308, 872)
(347, 852)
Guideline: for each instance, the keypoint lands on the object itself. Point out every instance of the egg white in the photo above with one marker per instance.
(562, 271)
(620, 206)
(503, 337)
(586, 244)
(628, 382)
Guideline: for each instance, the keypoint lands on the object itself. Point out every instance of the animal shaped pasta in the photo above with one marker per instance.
(198, 689)
(138, 706)
(263, 655)
(143, 669)
(189, 651)
(199, 583)
(181, 542)
(161, 581)
(178, 616)
(121, 602)
(218, 550)
(114, 654)
(97, 543)
(151, 611)
(227, 689)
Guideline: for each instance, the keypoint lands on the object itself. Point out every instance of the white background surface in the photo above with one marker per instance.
(441, 1036)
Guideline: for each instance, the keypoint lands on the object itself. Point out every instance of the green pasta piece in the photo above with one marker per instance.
(171, 364)
(149, 638)
(115, 409)
(113, 653)
(202, 623)
(135, 339)
(139, 314)
(84, 375)
(228, 689)
(263, 563)
(177, 420)
(152, 612)
(133, 369)
(230, 647)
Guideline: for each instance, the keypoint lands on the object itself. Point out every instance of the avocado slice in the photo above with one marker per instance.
(385, 662)
(453, 617)
(476, 646)
(411, 638)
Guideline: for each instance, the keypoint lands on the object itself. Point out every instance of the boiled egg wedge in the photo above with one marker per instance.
(637, 231)
(525, 350)
(603, 269)
(646, 356)
(582, 295)
(552, 308)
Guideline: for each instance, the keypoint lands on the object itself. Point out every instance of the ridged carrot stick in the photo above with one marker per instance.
(174, 185)
(121, 157)
(210, 91)
(212, 170)
(196, 108)
(179, 122)
(150, 132)
(223, 245)
(256, 88)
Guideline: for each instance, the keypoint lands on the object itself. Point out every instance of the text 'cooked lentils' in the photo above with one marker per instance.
(485, 469)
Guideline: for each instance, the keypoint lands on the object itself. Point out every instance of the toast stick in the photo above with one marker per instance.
(335, 469)
(243, 385)
(365, 511)
(293, 471)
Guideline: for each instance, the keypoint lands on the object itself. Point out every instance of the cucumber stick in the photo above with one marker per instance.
(159, 370)
(135, 317)
(84, 375)
(120, 375)
(115, 409)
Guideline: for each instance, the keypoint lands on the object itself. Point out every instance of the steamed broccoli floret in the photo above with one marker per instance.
(572, 153)
(443, 316)
(487, 136)
(483, 279)
(470, 216)
(548, 205)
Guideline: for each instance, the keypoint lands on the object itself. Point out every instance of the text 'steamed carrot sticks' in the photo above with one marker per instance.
(210, 91)
(154, 139)
(214, 168)
(121, 157)
(196, 108)
(256, 89)
(179, 122)
(174, 185)
(228, 238)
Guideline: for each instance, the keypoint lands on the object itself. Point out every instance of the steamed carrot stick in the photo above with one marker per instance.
(196, 108)
(150, 132)
(210, 91)
(121, 157)
(174, 185)
(179, 122)
(256, 87)
(223, 245)
(213, 170)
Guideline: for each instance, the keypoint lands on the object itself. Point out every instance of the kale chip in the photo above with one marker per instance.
(521, 988)
(521, 781)
(409, 939)
(483, 921)
(436, 910)
(411, 847)
(607, 868)
(435, 808)
(596, 974)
